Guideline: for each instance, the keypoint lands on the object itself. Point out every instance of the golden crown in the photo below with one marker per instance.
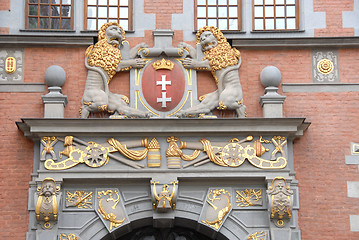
(163, 64)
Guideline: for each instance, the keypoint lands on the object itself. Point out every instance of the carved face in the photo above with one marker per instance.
(114, 35)
(208, 41)
(280, 185)
(48, 188)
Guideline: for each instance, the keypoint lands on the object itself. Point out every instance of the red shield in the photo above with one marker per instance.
(163, 89)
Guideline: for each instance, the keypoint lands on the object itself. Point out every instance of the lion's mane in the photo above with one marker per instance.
(103, 54)
(221, 56)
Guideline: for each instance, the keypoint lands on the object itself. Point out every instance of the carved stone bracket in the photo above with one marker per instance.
(280, 201)
(47, 201)
(165, 200)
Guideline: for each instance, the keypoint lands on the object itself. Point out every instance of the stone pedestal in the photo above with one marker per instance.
(272, 103)
(54, 103)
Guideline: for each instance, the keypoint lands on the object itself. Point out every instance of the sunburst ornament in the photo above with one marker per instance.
(325, 66)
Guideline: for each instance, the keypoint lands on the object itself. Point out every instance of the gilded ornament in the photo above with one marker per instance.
(221, 106)
(70, 236)
(325, 66)
(48, 143)
(46, 209)
(96, 155)
(10, 65)
(165, 199)
(249, 197)
(109, 209)
(79, 199)
(234, 153)
(154, 154)
(281, 201)
(219, 206)
(258, 236)
(163, 64)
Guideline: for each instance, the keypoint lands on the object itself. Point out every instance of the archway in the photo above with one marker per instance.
(176, 233)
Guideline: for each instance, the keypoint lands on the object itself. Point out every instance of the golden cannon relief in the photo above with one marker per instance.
(228, 154)
(97, 155)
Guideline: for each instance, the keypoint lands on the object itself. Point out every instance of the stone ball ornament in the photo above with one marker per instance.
(270, 76)
(55, 76)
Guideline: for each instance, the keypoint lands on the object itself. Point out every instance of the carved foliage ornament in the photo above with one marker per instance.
(46, 209)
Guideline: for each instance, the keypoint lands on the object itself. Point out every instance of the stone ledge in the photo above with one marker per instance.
(320, 87)
(39, 127)
(22, 87)
(11, 41)
(315, 42)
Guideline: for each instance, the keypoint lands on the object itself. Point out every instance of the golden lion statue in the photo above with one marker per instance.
(103, 60)
(223, 61)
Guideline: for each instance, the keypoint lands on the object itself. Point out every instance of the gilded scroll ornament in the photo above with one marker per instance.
(165, 200)
(219, 201)
(258, 236)
(249, 197)
(48, 143)
(97, 155)
(281, 201)
(109, 208)
(235, 152)
(79, 199)
(69, 236)
(46, 209)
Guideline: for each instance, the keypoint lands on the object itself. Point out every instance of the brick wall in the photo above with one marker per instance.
(4, 5)
(333, 11)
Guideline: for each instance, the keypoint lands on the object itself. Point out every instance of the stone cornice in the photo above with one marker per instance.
(316, 42)
(45, 40)
(37, 127)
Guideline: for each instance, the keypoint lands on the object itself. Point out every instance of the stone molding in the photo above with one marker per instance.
(38, 127)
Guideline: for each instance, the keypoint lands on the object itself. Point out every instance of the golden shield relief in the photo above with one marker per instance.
(217, 207)
(110, 208)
